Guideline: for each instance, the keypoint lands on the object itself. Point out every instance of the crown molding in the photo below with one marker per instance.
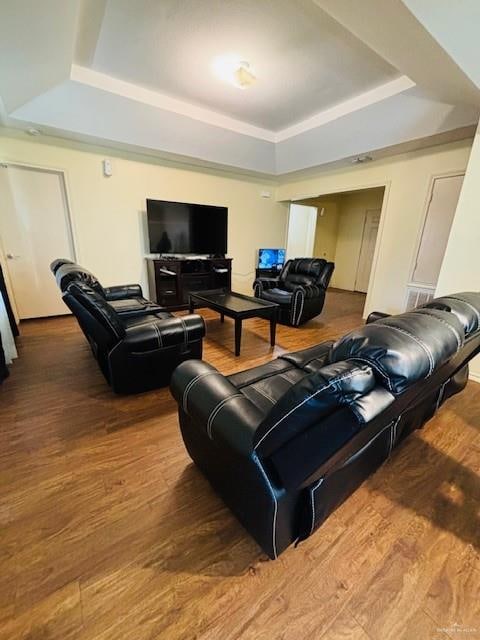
(105, 82)
(162, 101)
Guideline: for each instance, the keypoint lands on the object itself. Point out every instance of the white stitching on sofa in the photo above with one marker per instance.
(189, 386)
(305, 400)
(302, 302)
(216, 410)
(159, 337)
(263, 393)
(374, 365)
(457, 335)
(312, 497)
(272, 492)
(424, 346)
(185, 331)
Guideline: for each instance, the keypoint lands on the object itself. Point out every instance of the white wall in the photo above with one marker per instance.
(407, 178)
(301, 231)
(108, 214)
(459, 271)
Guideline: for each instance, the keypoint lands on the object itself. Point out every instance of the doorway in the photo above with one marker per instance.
(345, 232)
(35, 228)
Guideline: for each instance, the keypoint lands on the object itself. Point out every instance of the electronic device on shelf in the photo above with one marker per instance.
(181, 228)
(271, 259)
(166, 272)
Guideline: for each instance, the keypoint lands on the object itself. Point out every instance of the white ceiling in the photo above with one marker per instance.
(336, 78)
(304, 60)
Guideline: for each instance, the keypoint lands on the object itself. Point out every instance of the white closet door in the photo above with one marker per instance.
(436, 229)
(35, 229)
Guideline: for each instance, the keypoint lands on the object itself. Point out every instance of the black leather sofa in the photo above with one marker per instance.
(126, 299)
(286, 442)
(299, 289)
(136, 343)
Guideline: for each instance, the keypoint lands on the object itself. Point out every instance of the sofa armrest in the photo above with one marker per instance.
(263, 284)
(376, 315)
(309, 291)
(153, 334)
(215, 405)
(122, 291)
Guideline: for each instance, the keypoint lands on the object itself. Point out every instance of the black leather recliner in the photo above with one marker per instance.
(135, 353)
(286, 442)
(126, 299)
(299, 289)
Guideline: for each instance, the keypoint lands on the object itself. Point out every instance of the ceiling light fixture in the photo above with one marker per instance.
(232, 69)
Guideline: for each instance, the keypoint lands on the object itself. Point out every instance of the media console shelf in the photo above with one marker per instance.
(171, 280)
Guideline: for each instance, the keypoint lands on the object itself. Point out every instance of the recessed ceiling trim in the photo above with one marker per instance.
(105, 82)
(387, 90)
(153, 98)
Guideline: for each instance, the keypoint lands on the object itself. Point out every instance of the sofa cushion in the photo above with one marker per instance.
(280, 296)
(402, 349)
(312, 398)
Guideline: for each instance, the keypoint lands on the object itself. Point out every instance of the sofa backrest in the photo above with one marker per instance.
(98, 320)
(307, 271)
(59, 262)
(72, 272)
(403, 349)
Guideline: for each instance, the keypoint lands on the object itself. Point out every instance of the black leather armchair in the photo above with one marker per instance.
(135, 353)
(126, 299)
(286, 442)
(299, 289)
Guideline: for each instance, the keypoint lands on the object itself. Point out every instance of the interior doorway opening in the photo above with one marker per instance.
(341, 228)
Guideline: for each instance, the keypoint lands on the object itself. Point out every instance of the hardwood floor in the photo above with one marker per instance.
(108, 531)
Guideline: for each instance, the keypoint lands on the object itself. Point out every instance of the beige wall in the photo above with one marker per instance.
(459, 270)
(326, 231)
(407, 178)
(108, 213)
(353, 207)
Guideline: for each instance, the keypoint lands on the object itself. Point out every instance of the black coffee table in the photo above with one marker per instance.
(236, 306)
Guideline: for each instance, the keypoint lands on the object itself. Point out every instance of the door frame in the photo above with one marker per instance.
(367, 211)
(69, 219)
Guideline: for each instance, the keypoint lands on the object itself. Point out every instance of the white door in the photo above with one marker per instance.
(369, 240)
(302, 221)
(436, 229)
(34, 230)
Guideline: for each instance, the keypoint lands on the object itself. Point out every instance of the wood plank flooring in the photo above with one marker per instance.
(108, 531)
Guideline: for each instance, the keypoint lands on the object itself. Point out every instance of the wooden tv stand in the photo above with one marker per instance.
(170, 280)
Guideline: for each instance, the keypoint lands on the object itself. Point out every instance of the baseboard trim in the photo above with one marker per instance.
(475, 377)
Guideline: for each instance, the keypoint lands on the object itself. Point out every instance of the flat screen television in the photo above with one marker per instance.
(180, 227)
(271, 259)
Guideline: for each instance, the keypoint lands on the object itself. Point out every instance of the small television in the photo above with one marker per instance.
(271, 259)
(183, 228)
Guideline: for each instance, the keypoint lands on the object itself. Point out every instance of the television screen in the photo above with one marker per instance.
(271, 258)
(179, 227)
